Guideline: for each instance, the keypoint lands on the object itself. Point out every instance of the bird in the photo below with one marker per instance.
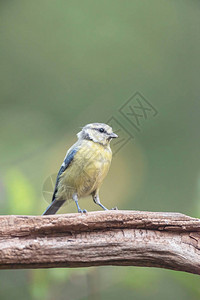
(84, 168)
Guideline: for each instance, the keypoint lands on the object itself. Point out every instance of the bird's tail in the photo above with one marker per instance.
(53, 207)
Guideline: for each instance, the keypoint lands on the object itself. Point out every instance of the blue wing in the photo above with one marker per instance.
(67, 161)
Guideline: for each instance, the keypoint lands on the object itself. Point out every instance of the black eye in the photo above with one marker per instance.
(101, 130)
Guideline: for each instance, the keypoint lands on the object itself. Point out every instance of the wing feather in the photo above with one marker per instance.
(67, 161)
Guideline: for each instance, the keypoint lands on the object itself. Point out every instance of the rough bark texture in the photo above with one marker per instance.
(131, 238)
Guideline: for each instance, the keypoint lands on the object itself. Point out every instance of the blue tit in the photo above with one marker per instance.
(84, 168)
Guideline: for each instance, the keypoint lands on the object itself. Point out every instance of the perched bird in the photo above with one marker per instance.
(84, 167)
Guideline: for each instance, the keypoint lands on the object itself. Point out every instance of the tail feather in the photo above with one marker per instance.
(53, 207)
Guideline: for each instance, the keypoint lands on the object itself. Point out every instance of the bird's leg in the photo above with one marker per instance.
(95, 196)
(75, 198)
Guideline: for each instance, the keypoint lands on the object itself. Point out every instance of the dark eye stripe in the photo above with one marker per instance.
(100, 130)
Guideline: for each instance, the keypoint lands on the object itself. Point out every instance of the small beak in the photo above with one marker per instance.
(113, 135)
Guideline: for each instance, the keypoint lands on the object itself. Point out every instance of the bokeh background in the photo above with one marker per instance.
(68, 63)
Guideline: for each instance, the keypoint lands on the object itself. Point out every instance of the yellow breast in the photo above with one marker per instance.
(87, 170)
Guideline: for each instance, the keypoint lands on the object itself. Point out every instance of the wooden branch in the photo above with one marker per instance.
(131, 238)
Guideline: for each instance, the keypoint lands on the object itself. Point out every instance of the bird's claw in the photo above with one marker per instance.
(114, 208)
(82, 211)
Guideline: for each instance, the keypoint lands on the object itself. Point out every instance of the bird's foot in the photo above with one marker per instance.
(82, 211)
(114, 208)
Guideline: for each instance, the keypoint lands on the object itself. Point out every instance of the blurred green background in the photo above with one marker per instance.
(68, 63)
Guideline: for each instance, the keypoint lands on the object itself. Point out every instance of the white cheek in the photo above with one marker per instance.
(101, 138)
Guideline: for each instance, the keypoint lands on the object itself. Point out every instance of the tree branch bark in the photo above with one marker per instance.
(124, 238)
